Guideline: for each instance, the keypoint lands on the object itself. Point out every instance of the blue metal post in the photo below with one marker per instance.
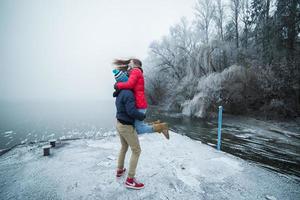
(219, 127)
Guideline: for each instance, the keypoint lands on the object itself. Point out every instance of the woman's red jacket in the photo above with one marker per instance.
(136, 83)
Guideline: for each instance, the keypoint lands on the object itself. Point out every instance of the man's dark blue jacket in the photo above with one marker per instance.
(126, 110)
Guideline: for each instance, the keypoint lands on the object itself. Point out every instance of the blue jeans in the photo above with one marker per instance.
(141, 127)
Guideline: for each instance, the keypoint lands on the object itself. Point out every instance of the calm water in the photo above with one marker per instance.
(244, 137)
(36, 121)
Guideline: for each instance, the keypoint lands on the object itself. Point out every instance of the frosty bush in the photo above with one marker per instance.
(210, 89)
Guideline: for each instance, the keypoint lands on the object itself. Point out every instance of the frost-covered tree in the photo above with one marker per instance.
(219, 18)
(288, 26)
(250, 65)
(205, 10)
(235, 7)
(263, 29)
(246, 20)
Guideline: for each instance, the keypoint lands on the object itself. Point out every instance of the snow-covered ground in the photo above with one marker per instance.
(180, 168)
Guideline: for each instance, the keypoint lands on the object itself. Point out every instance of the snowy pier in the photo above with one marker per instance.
(180, 168)
(52, 142)
(46, 150)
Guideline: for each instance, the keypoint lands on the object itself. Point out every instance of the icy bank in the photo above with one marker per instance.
(177, 169)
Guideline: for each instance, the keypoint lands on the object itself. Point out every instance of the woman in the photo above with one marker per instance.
(137, 84)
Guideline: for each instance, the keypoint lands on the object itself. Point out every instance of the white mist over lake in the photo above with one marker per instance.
(64, 49)
(55, 61)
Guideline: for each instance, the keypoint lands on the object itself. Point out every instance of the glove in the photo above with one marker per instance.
(116, 93)
(115, 86)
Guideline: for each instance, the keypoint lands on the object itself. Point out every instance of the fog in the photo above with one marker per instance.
(62, 50)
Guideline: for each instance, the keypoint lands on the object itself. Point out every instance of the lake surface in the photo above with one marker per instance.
(36, 121)
(275, 146)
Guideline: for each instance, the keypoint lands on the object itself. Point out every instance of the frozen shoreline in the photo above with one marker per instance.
(177, 169)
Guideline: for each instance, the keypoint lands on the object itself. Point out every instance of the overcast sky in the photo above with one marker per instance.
(63, 49)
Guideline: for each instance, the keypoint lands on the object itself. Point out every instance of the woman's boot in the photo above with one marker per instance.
(162, 128)
(155, 122)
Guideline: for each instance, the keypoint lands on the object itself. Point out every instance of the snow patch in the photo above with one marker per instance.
(179, 168)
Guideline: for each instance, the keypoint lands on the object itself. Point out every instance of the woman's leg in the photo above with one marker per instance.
(123, 150)
(130, 136)
(141, 127)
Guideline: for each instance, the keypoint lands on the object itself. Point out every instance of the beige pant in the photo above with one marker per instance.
(128, 136)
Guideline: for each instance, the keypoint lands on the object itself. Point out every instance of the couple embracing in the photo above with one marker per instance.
(131, 107)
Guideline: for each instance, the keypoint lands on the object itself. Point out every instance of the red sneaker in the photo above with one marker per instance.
(133, 184)
(120, 172)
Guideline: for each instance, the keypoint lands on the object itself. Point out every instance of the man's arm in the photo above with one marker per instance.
(130, 107)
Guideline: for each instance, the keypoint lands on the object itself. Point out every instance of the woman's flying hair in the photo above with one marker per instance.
(124, 63)
(121, 62)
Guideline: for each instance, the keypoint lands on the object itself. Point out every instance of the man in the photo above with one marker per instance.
(126, 115)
